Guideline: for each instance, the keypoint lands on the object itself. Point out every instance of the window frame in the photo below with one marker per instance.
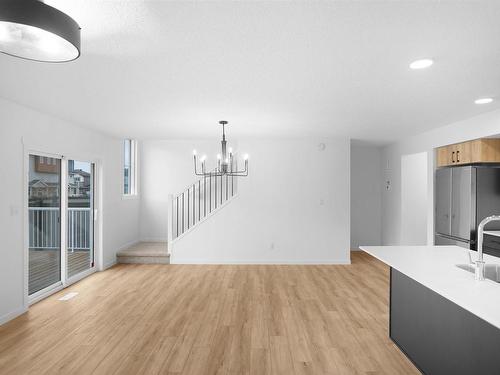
(133, 187)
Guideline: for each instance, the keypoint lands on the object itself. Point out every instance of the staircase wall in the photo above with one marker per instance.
(292, 209)
(167, 168)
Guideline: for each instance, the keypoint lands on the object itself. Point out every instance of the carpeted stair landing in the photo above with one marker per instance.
(145, 253)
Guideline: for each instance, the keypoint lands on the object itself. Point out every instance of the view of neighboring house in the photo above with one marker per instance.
(44, 181)
(78, 183)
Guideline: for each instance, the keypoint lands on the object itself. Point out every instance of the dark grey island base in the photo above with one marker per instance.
(437, 335)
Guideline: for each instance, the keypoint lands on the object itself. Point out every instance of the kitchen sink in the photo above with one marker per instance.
(491, 271)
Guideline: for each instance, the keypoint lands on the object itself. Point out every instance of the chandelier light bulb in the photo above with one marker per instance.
(203, 158)
(219, 157)
(194, 152)
(421, 64)
(483, 100)
(245, 157)
(230, 150)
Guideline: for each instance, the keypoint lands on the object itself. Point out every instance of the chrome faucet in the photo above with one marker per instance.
(480, 229)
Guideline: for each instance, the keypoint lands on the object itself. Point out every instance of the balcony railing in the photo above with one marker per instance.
(45, 228)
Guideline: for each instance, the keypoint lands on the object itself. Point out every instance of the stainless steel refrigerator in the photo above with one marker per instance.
(464, 197)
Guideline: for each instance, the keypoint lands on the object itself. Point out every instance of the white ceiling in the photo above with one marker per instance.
(154, 69)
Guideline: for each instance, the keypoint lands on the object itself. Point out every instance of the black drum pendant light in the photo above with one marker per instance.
(32, 30)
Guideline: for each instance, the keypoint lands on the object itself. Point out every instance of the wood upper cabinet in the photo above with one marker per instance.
(443, 156)
(486, 150)
(456, 154)
(463, 153)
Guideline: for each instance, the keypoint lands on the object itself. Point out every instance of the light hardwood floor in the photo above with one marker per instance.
(208, 319)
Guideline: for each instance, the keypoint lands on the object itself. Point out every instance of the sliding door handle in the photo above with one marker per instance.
(453, 157)
(458, 153)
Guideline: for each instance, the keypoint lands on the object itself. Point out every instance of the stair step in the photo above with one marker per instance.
(145, 253)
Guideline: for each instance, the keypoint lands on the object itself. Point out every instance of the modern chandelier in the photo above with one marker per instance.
(226, 165)
(32, 30)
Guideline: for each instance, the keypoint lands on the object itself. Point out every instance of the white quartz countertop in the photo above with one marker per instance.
(435, 268)
(492, 232)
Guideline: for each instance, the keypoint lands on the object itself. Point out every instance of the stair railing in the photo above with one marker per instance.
(197, 201)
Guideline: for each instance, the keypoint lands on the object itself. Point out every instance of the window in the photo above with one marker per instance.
(129, 167)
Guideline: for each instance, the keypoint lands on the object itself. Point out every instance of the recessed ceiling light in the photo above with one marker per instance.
(36, 31)
(483, 100)
(421, 64)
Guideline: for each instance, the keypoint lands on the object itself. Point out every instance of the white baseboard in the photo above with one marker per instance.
(175, 260)
(109, 265)
(12, 315)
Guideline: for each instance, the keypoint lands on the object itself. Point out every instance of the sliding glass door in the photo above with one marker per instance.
(44, 216)
(60, 222)
(80, 217)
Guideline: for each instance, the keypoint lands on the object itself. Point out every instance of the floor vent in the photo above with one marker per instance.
(68, 296)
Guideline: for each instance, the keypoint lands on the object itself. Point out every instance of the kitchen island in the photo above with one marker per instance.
(444, 320)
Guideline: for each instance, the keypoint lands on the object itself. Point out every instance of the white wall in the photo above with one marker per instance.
(366, 195)
(414, 199)
(21, 126)
(487, 124)
(293, 208)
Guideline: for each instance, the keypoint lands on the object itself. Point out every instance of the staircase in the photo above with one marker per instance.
(145, 253)
(198, 202)
(186, 210)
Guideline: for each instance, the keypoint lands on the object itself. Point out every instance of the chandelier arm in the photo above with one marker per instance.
(196, 168)
(238, 174)
(213, 174)
(243, 171)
